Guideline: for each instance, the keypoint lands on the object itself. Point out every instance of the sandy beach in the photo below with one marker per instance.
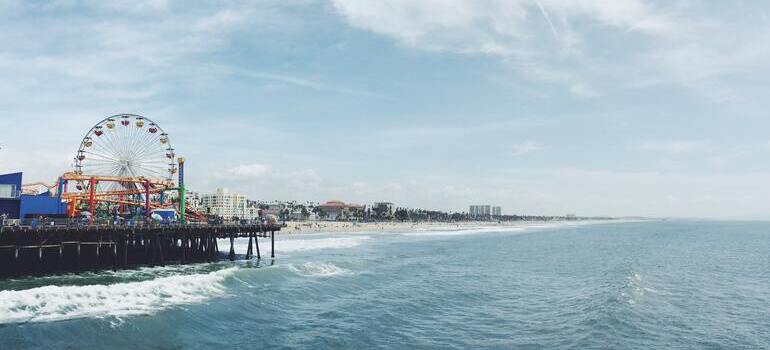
(334, 227)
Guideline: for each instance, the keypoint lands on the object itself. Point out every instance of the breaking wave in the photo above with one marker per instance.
(311, 269)
(54, 303)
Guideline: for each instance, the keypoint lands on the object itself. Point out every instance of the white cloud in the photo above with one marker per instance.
(583, 90)
(130, 50)
(223, 21)
(307, 179)
(590, 47)
(300, 82)
(37, 165)
(669, 147)
(508, 29)
(264, 182)
(130, 6)
(246, 171)
(526, 148)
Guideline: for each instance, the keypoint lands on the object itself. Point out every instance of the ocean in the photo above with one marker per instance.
(625, 285)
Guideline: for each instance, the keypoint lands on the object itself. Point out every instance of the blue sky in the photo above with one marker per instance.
(593, 107)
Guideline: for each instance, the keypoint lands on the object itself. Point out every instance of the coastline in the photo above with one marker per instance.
(295, 227)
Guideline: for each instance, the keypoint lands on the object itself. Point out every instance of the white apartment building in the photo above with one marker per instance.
(497, 211)
(480, 211)
(228, 205)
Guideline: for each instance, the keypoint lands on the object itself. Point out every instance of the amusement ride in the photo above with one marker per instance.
(125, 169)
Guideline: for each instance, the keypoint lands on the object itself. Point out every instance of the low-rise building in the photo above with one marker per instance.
(339, 210)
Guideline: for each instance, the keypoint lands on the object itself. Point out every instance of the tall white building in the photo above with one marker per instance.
(228, 205)
(497, 211)
(480, 211)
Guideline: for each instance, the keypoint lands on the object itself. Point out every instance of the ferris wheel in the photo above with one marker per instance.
(126, 146)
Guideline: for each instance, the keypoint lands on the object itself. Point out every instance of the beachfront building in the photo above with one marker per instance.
(480, 211)
(497, 211)
(339, 210)
(228, 205)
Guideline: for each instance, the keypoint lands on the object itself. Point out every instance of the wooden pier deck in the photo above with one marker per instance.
(61, 249)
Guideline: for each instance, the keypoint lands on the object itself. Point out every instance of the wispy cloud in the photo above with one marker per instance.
(301, 82)
(245, 171)
(668, 146)
(506, 29)
(672, 46)
(526, 148)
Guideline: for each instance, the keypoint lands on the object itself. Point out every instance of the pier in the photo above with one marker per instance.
(42, 250)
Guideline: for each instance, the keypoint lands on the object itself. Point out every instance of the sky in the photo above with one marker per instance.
(587, 107)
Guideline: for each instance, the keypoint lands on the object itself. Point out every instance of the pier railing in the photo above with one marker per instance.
(61, 248)
(102, 222)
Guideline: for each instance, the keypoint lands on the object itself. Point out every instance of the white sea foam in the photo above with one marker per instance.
(461, 231)
(312, 269)
(294, 244)
(52, 303)
(637, 288)
(519, 227)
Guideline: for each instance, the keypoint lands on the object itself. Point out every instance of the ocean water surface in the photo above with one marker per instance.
(633, 285)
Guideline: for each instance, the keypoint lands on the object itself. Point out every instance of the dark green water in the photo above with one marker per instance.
(680, 285)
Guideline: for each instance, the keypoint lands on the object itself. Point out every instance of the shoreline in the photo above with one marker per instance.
(304, 227)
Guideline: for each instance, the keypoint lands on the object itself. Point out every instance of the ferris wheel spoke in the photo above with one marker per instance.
(104, 148)
(158, 162)
(131, 141)
(102, 156)
(121, 141)
(164, 161)
(144, 147)
(99, 163)
(149, 170)
(105, 142)
(101, 170)
(149, 152)
(149, 146)
(140, 136)
(99, 151)
(109, 143)
(150, 141)
(156, 168)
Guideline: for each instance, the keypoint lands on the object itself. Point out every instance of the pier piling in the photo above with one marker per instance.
(232, 247)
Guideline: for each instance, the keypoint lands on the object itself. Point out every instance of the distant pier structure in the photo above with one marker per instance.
(60, 249)
(118, 208)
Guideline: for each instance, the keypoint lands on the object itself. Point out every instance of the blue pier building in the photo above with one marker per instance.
(16, 205)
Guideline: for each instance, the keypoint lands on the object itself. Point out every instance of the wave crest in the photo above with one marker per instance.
(311, 269)
(53, 303)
